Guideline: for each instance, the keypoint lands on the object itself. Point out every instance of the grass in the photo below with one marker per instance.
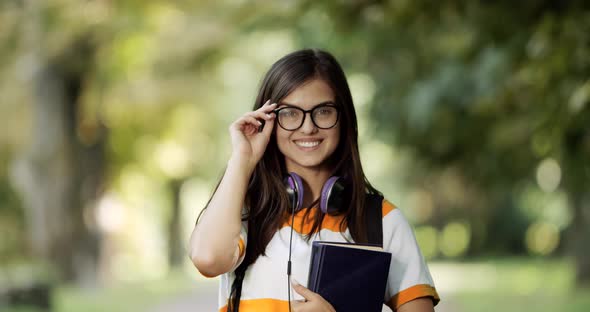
(514, 284)
(576, 301)
(511, 284)
(130, 296)
(136, 296)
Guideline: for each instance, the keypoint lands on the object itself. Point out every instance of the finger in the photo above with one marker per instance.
(296, 305)
(246, 121)
(298, 302)
(260, 115)
(304, 292)
(253, 121)
(266, 108)
(263, 106)
(272, 106)
(262, 118)
(268, 125)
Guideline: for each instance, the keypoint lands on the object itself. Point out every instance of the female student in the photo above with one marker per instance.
(302, 137)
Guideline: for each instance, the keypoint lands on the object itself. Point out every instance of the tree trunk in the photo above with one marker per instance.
(176, 251)
(58, 176)
(580, 232)
(575, 181)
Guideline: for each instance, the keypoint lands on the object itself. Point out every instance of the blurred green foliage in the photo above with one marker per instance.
(473, 116)
(503, 284)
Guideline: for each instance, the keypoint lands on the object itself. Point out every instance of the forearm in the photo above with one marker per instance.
(215, 238)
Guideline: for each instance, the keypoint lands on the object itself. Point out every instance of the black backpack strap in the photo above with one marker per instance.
(374, 218)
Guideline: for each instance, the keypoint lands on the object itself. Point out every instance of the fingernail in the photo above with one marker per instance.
(269, 115)
(294, 282)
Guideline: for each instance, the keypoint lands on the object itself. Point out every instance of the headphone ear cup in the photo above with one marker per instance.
(333, 195)
(294, 186)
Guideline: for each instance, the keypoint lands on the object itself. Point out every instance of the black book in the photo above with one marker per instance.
(352, 277)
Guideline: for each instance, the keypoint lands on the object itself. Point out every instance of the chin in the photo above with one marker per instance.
(299, 160)
(311, 164)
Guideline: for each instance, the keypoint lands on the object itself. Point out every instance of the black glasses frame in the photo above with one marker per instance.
(305, 112)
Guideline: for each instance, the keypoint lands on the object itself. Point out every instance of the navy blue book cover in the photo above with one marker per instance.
(350, 279)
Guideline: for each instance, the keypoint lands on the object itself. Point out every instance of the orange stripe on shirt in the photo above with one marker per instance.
(257, 305)
(330, 222)
(387, 207)
(414, 292)
(241, 247)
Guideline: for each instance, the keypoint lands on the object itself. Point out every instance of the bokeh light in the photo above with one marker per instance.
(172, 158)
(454, 239)
(538, 205)
(422, 205)
(427, 237)
(110, 214)
(542, 238)
(548, 175)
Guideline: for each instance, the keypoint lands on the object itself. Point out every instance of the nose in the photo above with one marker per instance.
(308, 127)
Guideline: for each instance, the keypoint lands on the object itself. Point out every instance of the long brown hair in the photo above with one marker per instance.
(266, 199)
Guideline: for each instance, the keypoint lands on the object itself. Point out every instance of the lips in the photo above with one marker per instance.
(307, 143)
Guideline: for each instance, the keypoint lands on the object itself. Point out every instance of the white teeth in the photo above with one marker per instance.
(307, 144)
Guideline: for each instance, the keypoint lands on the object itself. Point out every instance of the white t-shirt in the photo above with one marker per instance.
(265, 283)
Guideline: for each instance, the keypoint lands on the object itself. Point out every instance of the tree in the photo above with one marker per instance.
(61, 173)
(76, 56)
(490, 90)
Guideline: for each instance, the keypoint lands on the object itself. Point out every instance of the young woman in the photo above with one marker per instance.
(303, 123)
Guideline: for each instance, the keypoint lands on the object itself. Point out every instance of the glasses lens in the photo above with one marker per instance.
(290, 118)
(325, 116)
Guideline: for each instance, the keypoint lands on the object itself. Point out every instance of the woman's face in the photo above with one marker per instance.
(309, 146)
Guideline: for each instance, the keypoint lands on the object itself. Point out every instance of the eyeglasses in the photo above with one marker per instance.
(323, 116)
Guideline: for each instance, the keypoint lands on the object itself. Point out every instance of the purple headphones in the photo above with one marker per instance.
(332, 196)
(332, 199)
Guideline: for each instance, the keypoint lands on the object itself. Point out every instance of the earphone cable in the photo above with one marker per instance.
(289, 261)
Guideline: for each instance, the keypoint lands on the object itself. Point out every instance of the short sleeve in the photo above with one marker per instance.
(242, 244)
(409, 277)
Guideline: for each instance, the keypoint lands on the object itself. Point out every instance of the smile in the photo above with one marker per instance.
(308, 143)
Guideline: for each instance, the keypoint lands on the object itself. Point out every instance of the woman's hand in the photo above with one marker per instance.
(313, 302)
(248, 144)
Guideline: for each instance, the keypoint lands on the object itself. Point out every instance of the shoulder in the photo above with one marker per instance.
(394, 222)
(387, 207)
(391, 213)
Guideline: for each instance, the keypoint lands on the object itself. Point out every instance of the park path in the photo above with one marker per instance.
(203, 298)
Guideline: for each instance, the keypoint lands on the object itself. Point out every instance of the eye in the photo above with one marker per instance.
(326, 111)
(289, 113)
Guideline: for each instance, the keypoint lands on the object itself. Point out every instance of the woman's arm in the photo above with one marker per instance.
(214, 242)
(417, 305)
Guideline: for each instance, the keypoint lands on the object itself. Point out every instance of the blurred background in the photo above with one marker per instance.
(474, 119)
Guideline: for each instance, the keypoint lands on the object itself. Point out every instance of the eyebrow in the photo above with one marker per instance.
(322, 103)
